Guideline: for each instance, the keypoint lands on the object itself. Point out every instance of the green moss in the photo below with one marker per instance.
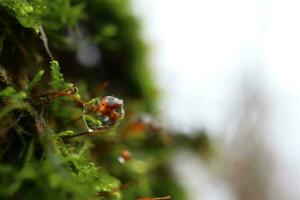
(57, 80)
(37, 160)
(37, 13)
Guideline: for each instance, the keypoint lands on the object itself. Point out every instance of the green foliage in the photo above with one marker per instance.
(57, 80)
(34, 13)
(56, 176)
(61, 171)
(36, 79)
(38, 157)
(9, 91)
(116, 29)
(27, 13)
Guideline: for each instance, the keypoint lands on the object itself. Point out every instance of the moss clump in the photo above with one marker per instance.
(39, 157)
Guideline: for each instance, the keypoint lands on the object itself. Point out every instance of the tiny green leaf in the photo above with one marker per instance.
(57, 79)
(66, 133)
(8, 91)
(35, 79)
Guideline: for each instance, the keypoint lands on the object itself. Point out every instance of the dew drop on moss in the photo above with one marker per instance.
(102, 112)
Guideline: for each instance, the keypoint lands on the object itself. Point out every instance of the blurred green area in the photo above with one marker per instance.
(36, 161)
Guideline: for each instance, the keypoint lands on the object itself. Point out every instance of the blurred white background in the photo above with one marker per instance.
(233, 68)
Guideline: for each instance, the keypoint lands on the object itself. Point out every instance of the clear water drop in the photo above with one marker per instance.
(102, 113)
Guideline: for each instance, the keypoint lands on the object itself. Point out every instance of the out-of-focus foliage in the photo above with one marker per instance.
(52, 14)
(71, 24)
(39, 158)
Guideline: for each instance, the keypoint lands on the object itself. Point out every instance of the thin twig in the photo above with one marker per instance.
(45, 42)
(155, 198)
(100, 130)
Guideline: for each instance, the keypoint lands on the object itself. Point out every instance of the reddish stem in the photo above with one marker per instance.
(157, 198)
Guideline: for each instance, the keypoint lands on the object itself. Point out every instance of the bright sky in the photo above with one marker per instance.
(203, 50)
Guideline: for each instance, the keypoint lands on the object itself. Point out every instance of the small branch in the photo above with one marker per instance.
(45, 42)
(54, 95)
(76, 135)
(153, 198)
(85, 133)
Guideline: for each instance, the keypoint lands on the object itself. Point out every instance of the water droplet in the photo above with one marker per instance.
(102, 112)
